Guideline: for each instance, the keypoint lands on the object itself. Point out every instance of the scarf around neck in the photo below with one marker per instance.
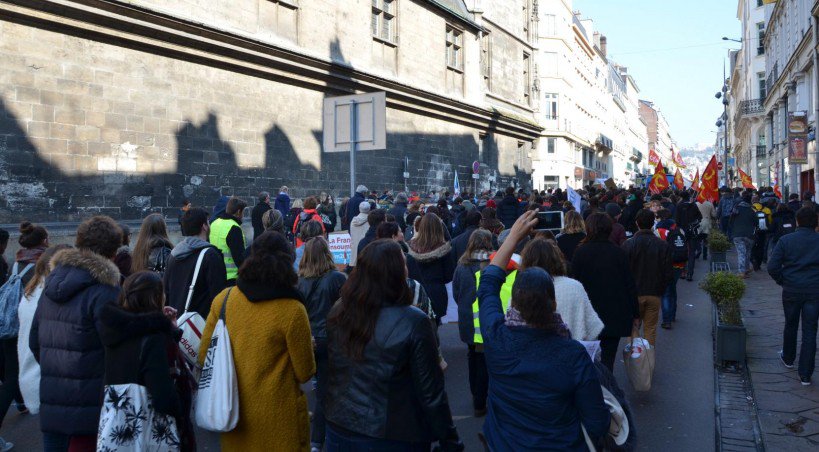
(513, 319)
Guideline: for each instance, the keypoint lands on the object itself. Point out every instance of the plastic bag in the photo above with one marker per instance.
(638, 357)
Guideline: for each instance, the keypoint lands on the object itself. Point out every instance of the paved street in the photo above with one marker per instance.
(676, 415)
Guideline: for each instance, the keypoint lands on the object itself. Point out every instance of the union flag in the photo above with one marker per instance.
(677, 159)
(659, 181)
(678, 180)
(746, 180)
(695, 184)
(653, 158)
(709, 185)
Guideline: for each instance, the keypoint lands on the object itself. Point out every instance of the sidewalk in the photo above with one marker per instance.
(788, 412)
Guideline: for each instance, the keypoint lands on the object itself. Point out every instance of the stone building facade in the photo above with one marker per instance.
(126, 107)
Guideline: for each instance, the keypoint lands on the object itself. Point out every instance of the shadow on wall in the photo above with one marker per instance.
(34, 187)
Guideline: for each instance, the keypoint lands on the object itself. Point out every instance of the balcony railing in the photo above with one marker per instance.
(636, 156)
(751, 107)
(761, 150)
(773, 76)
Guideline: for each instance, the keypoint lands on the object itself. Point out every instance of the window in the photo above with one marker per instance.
(550, 145)
(486, 61)
(763, 92)
(760, 33)
(527, 79)
(454, 48)
(549, 25)
(551, 105)
(383, 23)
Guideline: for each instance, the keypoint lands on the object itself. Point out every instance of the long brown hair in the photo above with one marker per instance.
(152, 233)
(42, 268)
(317, 259)
(544, 254)
(573, 223)
(598, 227)
(142, 293)
(480, 240)
(429, 235)
(379, 279)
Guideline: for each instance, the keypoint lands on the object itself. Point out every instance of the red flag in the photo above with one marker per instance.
(746, 180)
(695, 185)
(677, 159)
(777, 191)
(678, 180)
(659, 181)
(709, 185)
(653, 158)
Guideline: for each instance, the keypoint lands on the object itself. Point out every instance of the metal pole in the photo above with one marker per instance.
(353, 144)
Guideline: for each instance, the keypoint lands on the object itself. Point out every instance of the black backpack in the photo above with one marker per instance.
(679, 248)
(303, 219)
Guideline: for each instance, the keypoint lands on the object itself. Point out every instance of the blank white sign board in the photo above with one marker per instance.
(359, 118)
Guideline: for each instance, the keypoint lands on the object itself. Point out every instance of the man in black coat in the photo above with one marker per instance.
(257, 213)
(650, 259)
(688, 218)
(459, 243)
(179, 272)
(352, 207)
(399, 211)
(509, 208)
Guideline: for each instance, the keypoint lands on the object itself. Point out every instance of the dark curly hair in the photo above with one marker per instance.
(32, 235)
(270, 261)
(99, 234)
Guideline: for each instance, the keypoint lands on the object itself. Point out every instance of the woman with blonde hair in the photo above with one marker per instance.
(320, 286)
(431, 262)
(153, 247)
(574, 231)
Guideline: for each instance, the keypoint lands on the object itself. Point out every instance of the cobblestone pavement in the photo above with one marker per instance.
(788, 412)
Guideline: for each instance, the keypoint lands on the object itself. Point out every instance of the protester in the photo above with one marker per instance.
(358, 228)
(405, 395)
(743, 225)
(141, 355)
(573, 302)
(629, 216)
(153, 247)
(793, 202)
(764, 221)
(282, 203)
(784, 223)
(688, 218)
(226, 235)
(353, 206)
(258, 211)
(650, 260)
(327, 210)
(509, 208)
(667, 230)
(308, 214)
(465, 291)
(618, 232)
(794, 265)
(4, 266)
(709, 216)
(490, 222)
(413, 212)
(320, 287)
(123, 259)
(374, 219)
(221, 204)
(65, 336)
(431, 261)
(527, 347)
(471, 222)
(182, 265)
(272, 349)
(574, 231)
(399, 210)
(309, 231)
(727, 201)
(603, 269)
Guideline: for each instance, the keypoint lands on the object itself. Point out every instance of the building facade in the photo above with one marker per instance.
(658, 131)
(126, 108)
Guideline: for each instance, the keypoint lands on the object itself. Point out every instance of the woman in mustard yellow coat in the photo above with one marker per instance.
(272, 350)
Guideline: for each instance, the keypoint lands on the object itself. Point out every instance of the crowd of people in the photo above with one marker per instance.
(97, 350)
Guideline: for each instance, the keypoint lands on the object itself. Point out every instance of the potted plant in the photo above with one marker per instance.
(725, 290)
(718, 245)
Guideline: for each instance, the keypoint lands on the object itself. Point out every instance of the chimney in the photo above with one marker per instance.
(603, 45)
(596, 39)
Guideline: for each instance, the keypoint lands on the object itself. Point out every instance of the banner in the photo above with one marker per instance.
(709, 185)
(457, 190)
(798, 137)
(341, 245)
(695, 184)
(574, 198)
(678, 160)
(678, 180)
(746, 180)
(659, 181)
(653, 158)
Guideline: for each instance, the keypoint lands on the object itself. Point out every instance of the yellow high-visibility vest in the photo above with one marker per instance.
(505, 296)
(219, 230)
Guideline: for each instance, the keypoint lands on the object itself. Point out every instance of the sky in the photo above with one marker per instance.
(675, 52)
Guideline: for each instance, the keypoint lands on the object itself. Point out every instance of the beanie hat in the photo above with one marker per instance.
(364, 207)
(361, 189)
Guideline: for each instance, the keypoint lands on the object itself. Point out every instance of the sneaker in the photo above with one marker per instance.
(804, 380)
(6, 446)
(316, 447)
(781, 358)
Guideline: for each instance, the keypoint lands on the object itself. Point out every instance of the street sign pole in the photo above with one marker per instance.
(353, 143)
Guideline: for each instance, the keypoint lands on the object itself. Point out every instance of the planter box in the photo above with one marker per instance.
(730, 343)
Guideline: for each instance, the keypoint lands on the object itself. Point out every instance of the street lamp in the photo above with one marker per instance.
(723, 122)
(724, 38)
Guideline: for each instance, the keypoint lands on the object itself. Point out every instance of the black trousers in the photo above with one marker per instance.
(11, 371)
(758, 254)
(608, 351)
(318, 430)
(478, 377)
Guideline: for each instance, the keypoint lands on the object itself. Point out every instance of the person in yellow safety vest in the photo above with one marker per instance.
(227, 235)
(505, 294)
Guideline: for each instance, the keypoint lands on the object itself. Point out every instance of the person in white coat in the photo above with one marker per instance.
(358, 229)
(29, 368)
(573, 302)
(709, 216)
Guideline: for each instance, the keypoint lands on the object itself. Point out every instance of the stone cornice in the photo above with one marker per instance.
(145, 30)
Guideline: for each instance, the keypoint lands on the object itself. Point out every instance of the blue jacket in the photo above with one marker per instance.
(794, 263)
(543, 386)
(282, 204)
(65, 340)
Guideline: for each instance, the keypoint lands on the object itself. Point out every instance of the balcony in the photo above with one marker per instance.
(751, 107)
(772, 78)
(604, 143)
(761, 151)
(636, 156)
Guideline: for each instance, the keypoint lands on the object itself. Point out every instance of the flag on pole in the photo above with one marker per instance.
(653, 158)
(709, 185)
(678, 160)
(695, 184)
(746, 180)
(457, 185)
(659, 181)
(678, 180)
(574, 198)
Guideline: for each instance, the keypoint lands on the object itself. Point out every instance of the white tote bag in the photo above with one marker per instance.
(217, 402)
(191, 323)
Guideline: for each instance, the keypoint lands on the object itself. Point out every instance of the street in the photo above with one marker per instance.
(676, 415)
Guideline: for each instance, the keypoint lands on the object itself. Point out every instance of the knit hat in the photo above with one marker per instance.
(364, 207)
(361, 189)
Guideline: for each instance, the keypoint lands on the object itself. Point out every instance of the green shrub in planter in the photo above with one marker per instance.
(718, 242)
(725, 289)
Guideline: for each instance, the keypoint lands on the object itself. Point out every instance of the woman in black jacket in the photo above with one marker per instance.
(139, 339)
(784, 222)
(320, 285)
(153, 247)
(431, 261)
(604, 270)
(385, 388)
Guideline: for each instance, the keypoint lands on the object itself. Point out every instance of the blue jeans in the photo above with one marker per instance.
(670, 298)
(743, 246)
(806, 306)
(55, 442)
(350, 442)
